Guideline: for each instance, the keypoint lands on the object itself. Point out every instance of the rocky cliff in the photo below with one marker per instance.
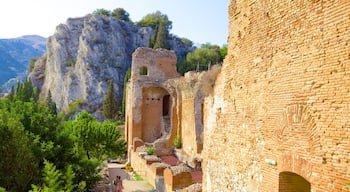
(84, 54)
(15, 54)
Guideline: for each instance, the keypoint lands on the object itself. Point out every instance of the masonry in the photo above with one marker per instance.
(279, 116)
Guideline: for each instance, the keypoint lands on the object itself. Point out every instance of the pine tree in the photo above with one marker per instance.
(110, 106)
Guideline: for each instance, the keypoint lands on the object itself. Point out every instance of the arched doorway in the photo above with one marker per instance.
(291, 182)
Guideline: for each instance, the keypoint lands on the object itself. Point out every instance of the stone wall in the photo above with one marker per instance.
(281, 105)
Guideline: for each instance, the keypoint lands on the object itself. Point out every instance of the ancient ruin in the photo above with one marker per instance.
(275, 117)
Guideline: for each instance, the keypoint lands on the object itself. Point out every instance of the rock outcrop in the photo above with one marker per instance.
(84, 54)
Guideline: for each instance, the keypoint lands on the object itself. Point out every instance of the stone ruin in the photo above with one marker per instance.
(274, 117)
(160, 106)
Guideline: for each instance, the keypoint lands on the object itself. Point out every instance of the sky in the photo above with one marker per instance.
(201, 21)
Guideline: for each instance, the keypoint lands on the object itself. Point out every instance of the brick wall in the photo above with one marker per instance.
(283, 96)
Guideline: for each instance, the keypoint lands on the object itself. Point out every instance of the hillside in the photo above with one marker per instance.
(15, 55)
(84, 54)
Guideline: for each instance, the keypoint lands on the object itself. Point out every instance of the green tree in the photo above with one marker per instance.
(102, 12)
(99, 140)
(161, 26)
(223, 52)
(161, 37)
(110, 106)
(56, 181)
(18, 164)
(202, 56)
(120, 13)
(153, 20)
(51, 104)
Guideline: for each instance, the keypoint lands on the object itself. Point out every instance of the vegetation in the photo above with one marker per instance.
(102, 12)
(150, 150)
(110, 106)
(120, 13)
(41, 152)
(161, 25)
(177, 142)
(126, 79)
(202, 58)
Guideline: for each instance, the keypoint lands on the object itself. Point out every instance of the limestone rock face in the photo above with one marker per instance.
(84, 54)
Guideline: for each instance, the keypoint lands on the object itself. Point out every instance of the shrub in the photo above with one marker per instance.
(177, 142)
(150, 150)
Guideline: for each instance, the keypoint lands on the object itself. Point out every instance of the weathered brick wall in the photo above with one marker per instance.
(283, 95)
(145, 93)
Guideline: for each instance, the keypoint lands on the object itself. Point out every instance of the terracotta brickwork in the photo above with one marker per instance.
(280, 113)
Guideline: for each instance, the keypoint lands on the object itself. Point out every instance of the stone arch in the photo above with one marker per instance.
(296, 122)
(292, 182)
(154, 124)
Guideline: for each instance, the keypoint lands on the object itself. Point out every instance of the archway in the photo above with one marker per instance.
(156, 102)
(291, 182)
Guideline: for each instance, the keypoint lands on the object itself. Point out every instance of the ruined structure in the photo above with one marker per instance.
(275, 117)
(279, 118)
(162, 106)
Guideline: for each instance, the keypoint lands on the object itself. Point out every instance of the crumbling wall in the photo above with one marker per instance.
(191, 91)
(282, 100)
(145, 94)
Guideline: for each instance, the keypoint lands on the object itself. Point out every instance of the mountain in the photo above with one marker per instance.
(84, 54)
(15, 55)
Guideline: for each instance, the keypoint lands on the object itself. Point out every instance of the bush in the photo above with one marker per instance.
(150, 150)
(177, 142)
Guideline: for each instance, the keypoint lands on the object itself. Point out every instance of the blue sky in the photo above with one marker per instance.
(201, 21)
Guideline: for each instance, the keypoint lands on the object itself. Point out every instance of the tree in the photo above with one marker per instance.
(120, 13)
(99, 140)
(161, 26)
(51, 104)
(54, 180)
(202, 57)
(18, 164)
(102, 12)
(153, 19)
(161, 37)
(110, 106)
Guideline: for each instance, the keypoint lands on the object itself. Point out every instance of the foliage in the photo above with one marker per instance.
(18, 165)
(99, 140)
(161, 37)
(154, 19)
(187, 42)
(50, 104)
(126, 79)
(138, 177)
(35, 140)
(73, 106)
(177, 142)
(110, 106)
(102, 12)
(32, 63)
(150, 150)
(201, 58)
(120, 13)
(55, 180)
(161, 25)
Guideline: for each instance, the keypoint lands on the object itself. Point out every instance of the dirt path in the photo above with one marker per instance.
(129, 184)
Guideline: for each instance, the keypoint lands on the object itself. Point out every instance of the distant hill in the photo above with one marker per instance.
(15, 55)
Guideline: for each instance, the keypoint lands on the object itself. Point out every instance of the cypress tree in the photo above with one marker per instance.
(110, 106)
(51, 104)
(161, 37)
